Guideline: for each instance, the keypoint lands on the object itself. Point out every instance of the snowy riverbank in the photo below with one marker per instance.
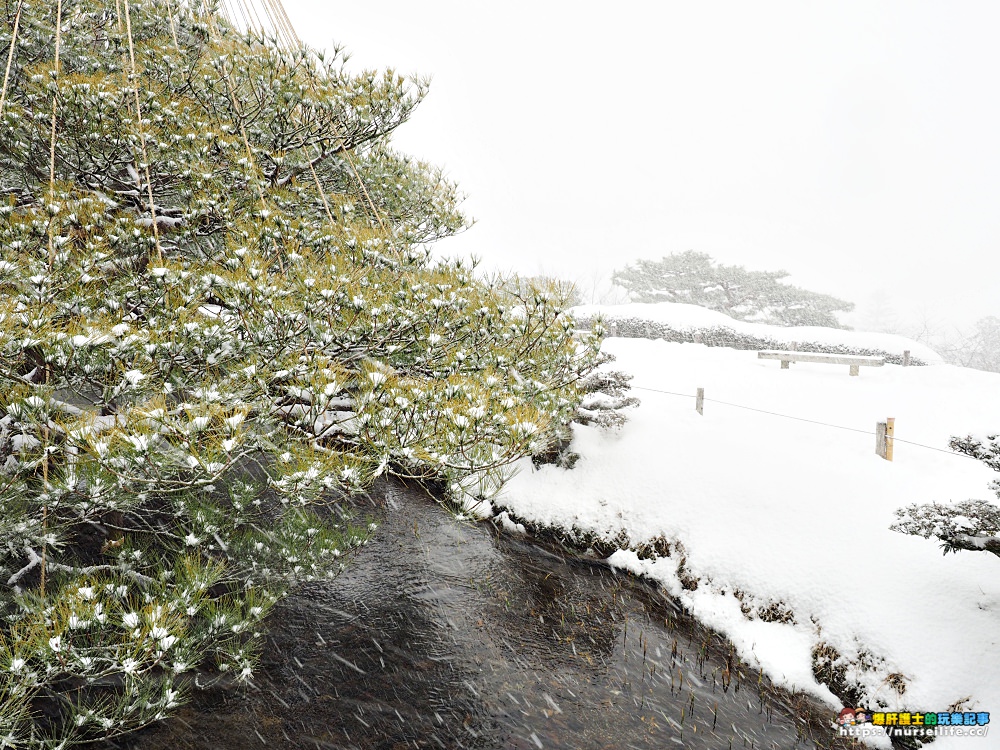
(780, 519)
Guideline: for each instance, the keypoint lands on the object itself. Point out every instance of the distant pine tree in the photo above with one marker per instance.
(759, 296)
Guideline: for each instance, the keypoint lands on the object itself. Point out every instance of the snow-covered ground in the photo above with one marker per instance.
(797, 514)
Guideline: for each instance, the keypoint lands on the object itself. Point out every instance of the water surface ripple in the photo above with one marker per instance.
(444, 634)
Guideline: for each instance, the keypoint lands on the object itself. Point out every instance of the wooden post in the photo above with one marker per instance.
(648, 333)
(906, 358)
(890, 431)
(699, 401)
(698, 338)
(880, 439)
(784, 364)
(794, 347)
(855, 369)
(613, 329)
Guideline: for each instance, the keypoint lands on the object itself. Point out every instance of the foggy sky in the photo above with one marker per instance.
(854, 144)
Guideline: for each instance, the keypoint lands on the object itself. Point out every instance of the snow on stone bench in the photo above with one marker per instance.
(830, 359)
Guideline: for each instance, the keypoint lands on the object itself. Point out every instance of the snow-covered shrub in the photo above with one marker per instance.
(968, 525)
(200, 348)
(605, 395)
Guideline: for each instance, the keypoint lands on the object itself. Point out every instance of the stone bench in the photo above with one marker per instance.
(830, 359)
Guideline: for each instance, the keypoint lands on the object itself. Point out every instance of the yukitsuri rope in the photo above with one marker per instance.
(52, 139)
(142, 132)
(10, 56)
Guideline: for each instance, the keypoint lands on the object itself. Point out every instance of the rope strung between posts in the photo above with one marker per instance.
(800, 419)
(10, 55)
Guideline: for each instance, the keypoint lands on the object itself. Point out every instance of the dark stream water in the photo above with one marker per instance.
(444, 634)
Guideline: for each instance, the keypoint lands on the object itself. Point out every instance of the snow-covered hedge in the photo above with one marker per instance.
(691, 324)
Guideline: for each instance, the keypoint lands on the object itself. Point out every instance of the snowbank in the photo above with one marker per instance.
(775, 515)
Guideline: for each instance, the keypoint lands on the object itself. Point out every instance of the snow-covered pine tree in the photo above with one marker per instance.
(759, 296)
(972, 525)
(217, 310)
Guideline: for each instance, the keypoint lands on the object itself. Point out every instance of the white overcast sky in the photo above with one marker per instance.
(854, 144)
